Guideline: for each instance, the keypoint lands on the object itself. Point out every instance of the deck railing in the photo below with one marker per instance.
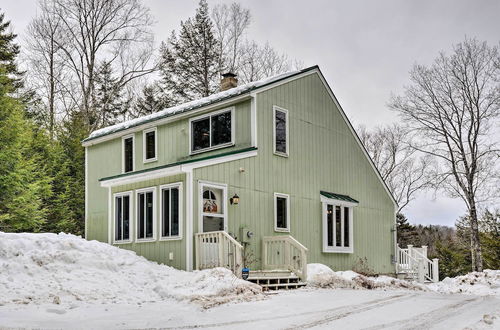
(414, 262)
(284, 252)
(218, 249)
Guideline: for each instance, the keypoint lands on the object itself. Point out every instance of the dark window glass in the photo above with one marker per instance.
(280, 131)
(118, 219)
(166, 212)
(346, 226)
(149, 214)
(338, 228)
(221, 129)
(129, 154)
(150, 145)
(140, 211)
(329, 224)
(201, 134)
(174, 217)
(281, 213)
(126, 217)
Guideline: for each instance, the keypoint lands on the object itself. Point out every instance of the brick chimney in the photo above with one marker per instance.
(228, 81)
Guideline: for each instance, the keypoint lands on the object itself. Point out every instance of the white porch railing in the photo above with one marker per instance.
(218, 249)
(414, 262)
(284, 252)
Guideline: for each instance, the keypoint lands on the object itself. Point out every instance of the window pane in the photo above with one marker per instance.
(150, 145)
(280, 131)
(329, 224)
(129, 154)
(221, 128)
(212, 224)
(175, 211)
(126, 217)
(201, 134)
(338, 228)
(166, 211)
(281, 215)
(346, 226)
(118, 218)
(140, 216)
(149, 214)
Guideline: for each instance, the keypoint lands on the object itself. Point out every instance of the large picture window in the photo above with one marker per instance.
(128, 153)
(149, 145)
(213, 131)
(281, 212)
(280, 129)
(337, 226)
(122, 218)
(171, 211)
(145, 208)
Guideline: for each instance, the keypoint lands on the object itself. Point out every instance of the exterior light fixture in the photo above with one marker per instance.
(235, 199)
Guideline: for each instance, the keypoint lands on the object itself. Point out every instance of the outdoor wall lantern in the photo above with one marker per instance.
(235, 199)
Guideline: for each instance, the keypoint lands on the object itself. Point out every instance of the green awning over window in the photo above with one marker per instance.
(338, 197)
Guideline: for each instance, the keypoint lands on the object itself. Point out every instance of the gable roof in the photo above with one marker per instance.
(196, 104)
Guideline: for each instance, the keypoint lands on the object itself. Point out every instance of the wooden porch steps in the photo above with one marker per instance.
(275, 279)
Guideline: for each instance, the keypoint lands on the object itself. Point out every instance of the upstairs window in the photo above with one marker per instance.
(213, 131)
(145, 206)
(281, 212)
(149, 145)
(280, 128)
(128, 153)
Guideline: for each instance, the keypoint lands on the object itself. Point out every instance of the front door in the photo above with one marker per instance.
(213, 207)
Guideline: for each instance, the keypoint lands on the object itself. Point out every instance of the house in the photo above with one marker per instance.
(269, 175)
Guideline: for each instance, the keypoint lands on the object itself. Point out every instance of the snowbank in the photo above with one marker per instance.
(66, 269)
(476, 283)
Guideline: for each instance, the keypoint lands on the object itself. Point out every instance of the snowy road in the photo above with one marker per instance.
(300, 309)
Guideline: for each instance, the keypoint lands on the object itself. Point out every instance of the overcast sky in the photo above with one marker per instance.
(364, 48)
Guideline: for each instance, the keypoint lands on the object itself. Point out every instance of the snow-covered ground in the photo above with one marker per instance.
(62, 281)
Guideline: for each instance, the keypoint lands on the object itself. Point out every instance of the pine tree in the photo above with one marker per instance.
(153, 99)
(190, 62)
(406, 233)
(9, 51)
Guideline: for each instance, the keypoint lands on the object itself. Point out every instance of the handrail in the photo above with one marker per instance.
(285, 252)
(415, 263)
(218, 249)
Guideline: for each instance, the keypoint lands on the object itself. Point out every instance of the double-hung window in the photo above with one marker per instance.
(280, 130)
(122, 223)
(212, 131)
(149, 144)
(337, 223)
(171, 195)
(281, 212)
(146, 209)
(128, 153)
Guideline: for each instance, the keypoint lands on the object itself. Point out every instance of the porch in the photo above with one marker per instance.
(412, 263)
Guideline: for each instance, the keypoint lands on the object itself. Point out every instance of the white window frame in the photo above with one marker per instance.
(144, 151)
(201, 214)
(133, 152)
(131, 215)
(177, 185)
(288, 217)
(136, 193)
(337, 249)
(210, 115)
(287, 136)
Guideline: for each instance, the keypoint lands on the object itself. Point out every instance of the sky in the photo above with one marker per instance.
(365, 49)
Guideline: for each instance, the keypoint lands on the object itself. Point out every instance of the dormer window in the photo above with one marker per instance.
(212, 131)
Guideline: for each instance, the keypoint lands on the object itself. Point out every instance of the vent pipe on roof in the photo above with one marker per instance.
(228, 81)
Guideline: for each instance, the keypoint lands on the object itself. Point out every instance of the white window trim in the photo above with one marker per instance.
(133, 152)
(287, 137)
(342, 204)
(223, 187)
(131, 215)
(181, 220)
(144, 153)
(288, 217)
(209, 115)
(138, 191)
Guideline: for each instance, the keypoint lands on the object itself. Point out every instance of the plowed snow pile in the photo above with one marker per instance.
(482, 283)
(50, 268)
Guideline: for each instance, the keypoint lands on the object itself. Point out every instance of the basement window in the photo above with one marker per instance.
(145, 208)
(213, 131)
(149, 145)
(171, 211)
(281, 212)
(122, 224)
(337, 225)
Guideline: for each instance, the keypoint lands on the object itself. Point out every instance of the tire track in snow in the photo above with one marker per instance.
(342, 310)
(428, 319)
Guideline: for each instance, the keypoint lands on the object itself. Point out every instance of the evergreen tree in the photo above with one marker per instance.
(190, 62)
(406, 232)
(153, 99)
(9, 51)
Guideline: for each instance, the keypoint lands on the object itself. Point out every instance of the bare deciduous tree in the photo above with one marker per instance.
(404, 172)
(451, 107)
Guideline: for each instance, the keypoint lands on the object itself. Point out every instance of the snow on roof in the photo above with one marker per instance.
(185, 107)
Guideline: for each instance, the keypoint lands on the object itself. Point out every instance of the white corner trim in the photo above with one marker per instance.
(144, 151)
(288, 215)
(177, 185)
(110, 216)
(189, 220)
(86, 229)
(287, 130)
(133, 152)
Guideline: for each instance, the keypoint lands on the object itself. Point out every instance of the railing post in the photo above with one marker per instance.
(421, 274)
(197, 251)
(410, 250)
(435, 270)
(424, 250)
